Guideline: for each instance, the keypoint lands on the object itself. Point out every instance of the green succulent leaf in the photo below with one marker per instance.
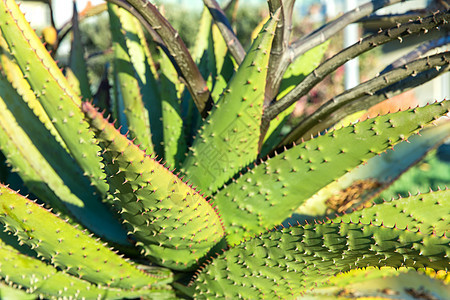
(51, 88)
(69, 248)
(203, 55)
(363, 183)
(381, 283)
(15, 76)
(38, 279)
(301, 67)
(210, 116)
(147, 76)
(47, 169)
(432, 172)
(224, 64)
(137, 116)
(274, 188)
(173, 224)
(9, 292)
(202, 38)
(77, 74)
(296, 72)
(289, 262)
(23, 154)
(170, 92)
(174, 47)
(228, 141)
(425, 213)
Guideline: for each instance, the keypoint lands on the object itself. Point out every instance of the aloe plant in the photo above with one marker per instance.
(182, 193)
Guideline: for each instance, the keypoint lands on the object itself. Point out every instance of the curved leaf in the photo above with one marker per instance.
(173, 224)
(137, 116)
(267, 194)
(69, 248)
(48, 170)
(45, 281)
(52, 90)
(292, 261)
(383, 283)
(228, 140)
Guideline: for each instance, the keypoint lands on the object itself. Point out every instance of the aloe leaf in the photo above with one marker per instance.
(9, 292)
(52, 90)
(301, 67)
(202, 38)
(177, 51)
(69, 248)
(383, 283)
(216, 62)
(147, 76)
(77, 69)
(15, 76)
(234, 45)
(136, 114)
(47, 170)
(173, 224)
(117, 109)
(230, 10)
(170, 93)
(142, 63)
(267, 194)
(364, 105)
(203, 55)
(425, 213)
(24, 155)
(432, 172)
(44, 281)
(223, 63)
(228, 140)
(258, 27)
(374, 176)
(102, 97)
(286, 264)
(275, 132)
(204, 49)
(290, 262)
(4, 172)
(280, 45)
(295, 73)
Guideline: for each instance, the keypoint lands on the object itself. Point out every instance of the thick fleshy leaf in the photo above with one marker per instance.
(173, 224)
(51, 88)
(48, 170)
(228, 140)
(383, 283)
(292, 261)
(38, 279)
(18, 81)
(137, 116)
(363, 183)
(425, 213)
(224, 64)
(10, 292)
(301, 67)
(147, 76)
(77, 74)
(69, 248)
(170, 92)
(267, 194)
(296, 72)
